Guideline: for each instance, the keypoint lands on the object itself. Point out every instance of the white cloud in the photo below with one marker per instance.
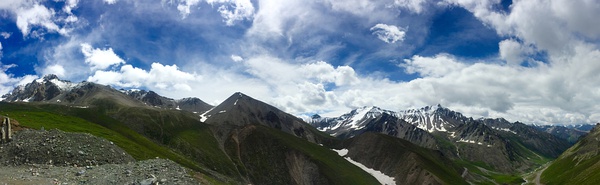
(100, 59)
(440, 65)
(8, 81)
(388, 33)
(5, 35)
(234, 10)
(34, 19)
(35, 15)
(110, 1)
(231, 10)
(185, 5)
(513, 52)
(56, 69)
(237, 58)
(161, 77)
(413, 5)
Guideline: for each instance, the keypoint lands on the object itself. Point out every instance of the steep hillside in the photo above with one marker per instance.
(406, 162)
(580, 164)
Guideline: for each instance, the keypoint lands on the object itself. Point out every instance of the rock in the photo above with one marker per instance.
(149, 181)
(80, 173)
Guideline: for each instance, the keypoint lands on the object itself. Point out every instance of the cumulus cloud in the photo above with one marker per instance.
(8, 81)
(388, 33)
(5, 35)
(440, 65)
(236, 58)
(513, 52)
(100, 59)
(35, 19)
(56, 69)
(35, 15)
(162, 77)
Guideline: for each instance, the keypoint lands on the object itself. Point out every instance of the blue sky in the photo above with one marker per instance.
(532, 61)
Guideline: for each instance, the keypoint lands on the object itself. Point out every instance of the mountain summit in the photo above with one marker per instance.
(240, 110)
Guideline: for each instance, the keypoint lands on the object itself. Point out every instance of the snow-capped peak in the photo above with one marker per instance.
(429, 118)
(63, 85)
(354, 120)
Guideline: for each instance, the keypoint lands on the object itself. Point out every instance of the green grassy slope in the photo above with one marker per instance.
(580, 164)
(88, 120)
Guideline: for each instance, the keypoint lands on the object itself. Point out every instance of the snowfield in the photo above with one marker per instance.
(380, 176)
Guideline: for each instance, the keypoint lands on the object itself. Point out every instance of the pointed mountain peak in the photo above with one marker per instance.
(50, 77)
(242, 110)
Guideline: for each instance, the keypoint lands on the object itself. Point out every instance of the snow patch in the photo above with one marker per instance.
(453, 134)
(355, 121)
(204, 117)
(380, 176)
(235, 103)
(223, 111)
(465, 141)
(504, 129)
(64, 86)
(343, 152)
(178, 107)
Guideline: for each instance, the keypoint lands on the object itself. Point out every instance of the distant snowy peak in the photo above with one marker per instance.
(429, 118)
(42, 89)
(354, 120)
(432, 118)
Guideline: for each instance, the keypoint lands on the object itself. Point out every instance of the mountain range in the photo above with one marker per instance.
(243, 140)
(494, 144)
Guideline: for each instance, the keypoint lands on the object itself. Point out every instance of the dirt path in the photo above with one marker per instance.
(538, 175)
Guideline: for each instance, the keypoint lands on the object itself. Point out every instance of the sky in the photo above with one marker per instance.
(534, 61)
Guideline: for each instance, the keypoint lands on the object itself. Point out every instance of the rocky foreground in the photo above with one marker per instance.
(56, 157)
